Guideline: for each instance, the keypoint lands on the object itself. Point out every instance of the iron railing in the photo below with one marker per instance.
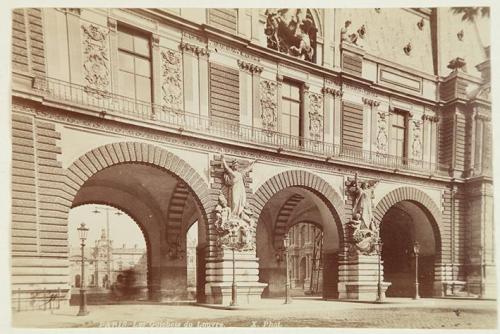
(46, 299)
(186, 122)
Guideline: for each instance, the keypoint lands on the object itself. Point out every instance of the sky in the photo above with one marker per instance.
(123, 230)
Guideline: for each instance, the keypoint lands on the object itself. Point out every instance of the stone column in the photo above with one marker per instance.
(249, 92)
(359, 267)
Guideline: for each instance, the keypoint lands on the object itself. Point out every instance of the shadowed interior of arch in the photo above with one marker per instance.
(405, 223)
(297, 206)
(165, 208)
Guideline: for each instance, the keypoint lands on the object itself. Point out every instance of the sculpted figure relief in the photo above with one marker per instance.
(235, 220)
(364, 228)
(292, 31)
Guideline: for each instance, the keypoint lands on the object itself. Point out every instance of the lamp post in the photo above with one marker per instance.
(82, 233)
(108, 246)
(416, 252)
(286, 244)
(234, 287)
(380, 295)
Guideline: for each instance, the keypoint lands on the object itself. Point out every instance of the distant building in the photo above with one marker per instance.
(97, 272)
(305, 257)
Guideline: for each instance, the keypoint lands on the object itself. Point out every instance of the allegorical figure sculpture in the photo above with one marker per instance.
(363, 204)
(292, 31)
(364, 228)
(234, 178)
(235, 220)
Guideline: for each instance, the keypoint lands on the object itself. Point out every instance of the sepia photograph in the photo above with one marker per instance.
(200, 167)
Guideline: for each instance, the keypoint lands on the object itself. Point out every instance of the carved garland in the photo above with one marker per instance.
(382, 137)
(316, 116)
(172, 80)
(96, 60)
(249, 67)
(268, 104)
(417, 140)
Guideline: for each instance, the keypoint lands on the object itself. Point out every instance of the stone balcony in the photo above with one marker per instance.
(107, 105)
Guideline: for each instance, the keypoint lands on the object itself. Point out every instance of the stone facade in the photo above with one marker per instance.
(343, 98)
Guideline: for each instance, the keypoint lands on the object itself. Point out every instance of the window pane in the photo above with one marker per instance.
(285, 124)
(141, 45)
(295, 92)
(142, 67)
(125, 41)
(143, 88)
(285, 91)
(126, 62)
(126, 85)
(294, 126)
(285, 107)
(295, 109)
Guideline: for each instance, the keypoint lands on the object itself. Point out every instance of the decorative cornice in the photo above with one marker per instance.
(75, 11)
(155, 40)
(112, 24)
(370, 102)
(199, 51)
(483, 117)
(333, 91)
(431, 118)
(249, 67)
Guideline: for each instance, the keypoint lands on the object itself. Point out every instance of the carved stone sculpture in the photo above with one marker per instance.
(417, 140)
(269, 104)
(172, 80)
(457, 64)
(234, 232)
(235, 221)
(96, 60)
(382, 136)
(291, 31)
(234, 178)
(364, 230)
(316, 116)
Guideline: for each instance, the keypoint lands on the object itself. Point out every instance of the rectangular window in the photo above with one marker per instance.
(291, 107)
(398, 134)
(134, 62)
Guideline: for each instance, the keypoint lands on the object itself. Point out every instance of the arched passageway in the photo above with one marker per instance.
(162, 194)
(405, 223)
(289, 207)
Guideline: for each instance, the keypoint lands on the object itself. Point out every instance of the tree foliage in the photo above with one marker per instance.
(470, 14)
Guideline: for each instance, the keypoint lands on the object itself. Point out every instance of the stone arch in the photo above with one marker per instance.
(283, 216)
(301, 179)
(134, 152)
(414, 195)
(318, 22)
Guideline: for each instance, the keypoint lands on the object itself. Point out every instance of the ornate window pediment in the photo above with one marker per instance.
(292, 31)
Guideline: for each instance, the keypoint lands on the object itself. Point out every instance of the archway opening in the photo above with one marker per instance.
(312, 227)
(164, 208)
(403, 224)
(115, 255)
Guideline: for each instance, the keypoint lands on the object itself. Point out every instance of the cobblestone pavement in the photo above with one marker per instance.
(395, 313)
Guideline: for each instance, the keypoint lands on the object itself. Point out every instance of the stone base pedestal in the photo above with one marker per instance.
(219, 278)
(358, 278)
(221, 293)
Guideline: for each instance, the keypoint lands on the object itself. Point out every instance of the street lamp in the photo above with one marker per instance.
(108, 246)
(82, 233)
(286, 244)
(380, 295)
(234, 293)
(416, 252)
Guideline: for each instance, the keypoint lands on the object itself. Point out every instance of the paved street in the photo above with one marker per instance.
(303, 312)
